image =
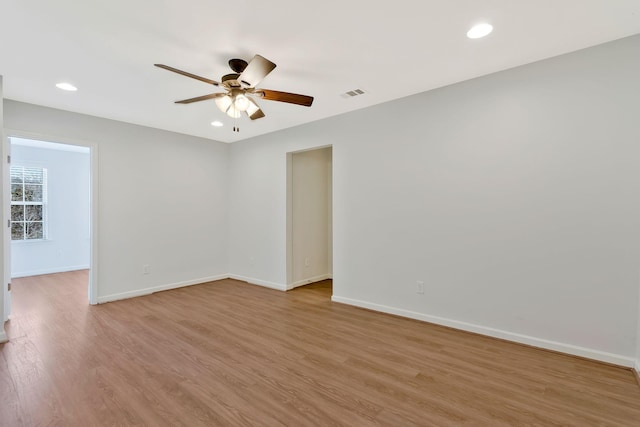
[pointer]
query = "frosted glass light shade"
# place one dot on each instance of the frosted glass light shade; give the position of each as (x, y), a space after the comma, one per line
(223, 103)
(241, 103)
(233, 112)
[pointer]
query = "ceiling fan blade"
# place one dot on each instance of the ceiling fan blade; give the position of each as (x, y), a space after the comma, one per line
(200, 98)
(257, 115)
(257, 69)
(291, 98)
(184, 73)
(254, 112)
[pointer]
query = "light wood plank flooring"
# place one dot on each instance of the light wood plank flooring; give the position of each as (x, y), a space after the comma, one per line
(231, 354)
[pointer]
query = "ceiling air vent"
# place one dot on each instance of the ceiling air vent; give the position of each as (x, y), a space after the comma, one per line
(352, 93)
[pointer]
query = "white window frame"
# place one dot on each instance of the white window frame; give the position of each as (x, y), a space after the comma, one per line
(43, 203)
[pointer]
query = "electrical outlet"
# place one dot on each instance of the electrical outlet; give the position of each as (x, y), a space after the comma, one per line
(145, 269)
(306, 262)
(419, 287)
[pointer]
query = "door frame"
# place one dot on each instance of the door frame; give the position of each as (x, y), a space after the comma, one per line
(92, 292)
(289, 213)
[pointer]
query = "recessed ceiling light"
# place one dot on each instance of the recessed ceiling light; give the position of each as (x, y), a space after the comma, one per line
(67, 86)
(217, 124)
(479, 31)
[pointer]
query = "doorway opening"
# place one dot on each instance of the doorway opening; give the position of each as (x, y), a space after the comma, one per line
(310, 220)
(50, 204)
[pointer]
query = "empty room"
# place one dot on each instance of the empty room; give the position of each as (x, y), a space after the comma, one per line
(421, 213)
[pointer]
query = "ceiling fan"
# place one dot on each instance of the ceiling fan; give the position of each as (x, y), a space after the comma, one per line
(240, 88)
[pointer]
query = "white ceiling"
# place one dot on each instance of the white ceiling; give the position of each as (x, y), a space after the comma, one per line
(324, 48)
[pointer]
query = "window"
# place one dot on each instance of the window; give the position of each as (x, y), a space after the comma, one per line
(28, 203)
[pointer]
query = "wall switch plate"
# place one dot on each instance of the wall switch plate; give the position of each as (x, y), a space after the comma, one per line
(419, 287)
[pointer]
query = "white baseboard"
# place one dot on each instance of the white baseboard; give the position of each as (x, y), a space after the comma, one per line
(637, 367)
(496, 333)
(148, 291)
(48, 271)
(309, 281)
(3, 336)
(258, 282)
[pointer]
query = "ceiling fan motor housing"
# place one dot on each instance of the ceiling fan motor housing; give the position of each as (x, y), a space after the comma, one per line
(238, 65)
(231, 80)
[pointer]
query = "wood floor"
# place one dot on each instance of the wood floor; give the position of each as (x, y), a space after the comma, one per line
(232, 354)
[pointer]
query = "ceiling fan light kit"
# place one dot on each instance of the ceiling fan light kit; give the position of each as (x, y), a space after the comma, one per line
(240, 87)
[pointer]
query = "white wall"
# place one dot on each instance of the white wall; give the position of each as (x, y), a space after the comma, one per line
(67, 246)
(310, 193)
(162, 199)
(514, 197)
